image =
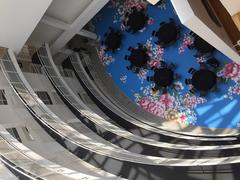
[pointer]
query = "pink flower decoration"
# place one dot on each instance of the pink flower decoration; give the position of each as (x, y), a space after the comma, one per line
(144, 103)
(187, 41)
(154, 63)
(191, 101)
(232, 71)
(167, 100)
(151, 106)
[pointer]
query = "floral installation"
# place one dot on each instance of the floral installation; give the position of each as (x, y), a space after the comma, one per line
(169, 106)
(123, 79)
(142, 75)
(232, 71)
(186, 42)
(155, 52)
(191, 101)
(176, 105)
(105, 58)
(178, 86)
(124, 7)
(233, 90)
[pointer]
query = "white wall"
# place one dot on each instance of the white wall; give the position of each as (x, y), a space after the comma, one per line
(40, 82)
(232, 6)
(18, 19)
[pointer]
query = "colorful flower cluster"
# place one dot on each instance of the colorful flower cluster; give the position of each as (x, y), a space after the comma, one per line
(142, 75)
(125, 6)
(187, 41)
(155, 52)
(104, 57)
(232, 71)
(233, 90)
(166, 106)
(178, 86)
(191, 101)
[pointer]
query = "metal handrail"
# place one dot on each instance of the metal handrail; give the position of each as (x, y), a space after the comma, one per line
(79, 106)
(40, 119)
(67, 133)
(98, 78)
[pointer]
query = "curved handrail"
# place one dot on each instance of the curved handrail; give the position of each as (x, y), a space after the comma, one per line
(67, 133)
(96, 70)
(59, 83)
(28, 161)
(46, 118)
(80, 72)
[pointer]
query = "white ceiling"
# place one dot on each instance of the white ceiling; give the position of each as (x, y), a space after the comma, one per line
(63, 20)
(44, 33)
(67, 10)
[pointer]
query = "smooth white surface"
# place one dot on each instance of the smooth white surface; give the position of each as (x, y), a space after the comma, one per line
(153, 2)
(91, 10)
(67, 10)
(18, 20)
(232, 6)
(193, 15)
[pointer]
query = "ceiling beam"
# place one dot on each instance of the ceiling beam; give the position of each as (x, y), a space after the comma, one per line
(64, 26)
(77, 25)
(55, 23)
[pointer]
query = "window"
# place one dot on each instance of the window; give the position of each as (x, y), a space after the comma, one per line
(3, 100)
(44, 97)
(14, 133)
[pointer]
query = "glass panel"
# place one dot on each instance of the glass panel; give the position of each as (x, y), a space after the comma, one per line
(46, 61)
(57, 81)
(3, 100)
(44, 97)
(20, 87)
(14, 133)
(13, 77)
(8, 66)
(51, 72)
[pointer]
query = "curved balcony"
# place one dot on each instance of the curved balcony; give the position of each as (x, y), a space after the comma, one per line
(121, 113)
(100, 125)
(25, 163)
(80, 144)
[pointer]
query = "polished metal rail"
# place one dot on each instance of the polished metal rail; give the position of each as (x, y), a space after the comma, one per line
(29, 164)
(131, 110)
(102, 97)
(62, 87)
(37, 108)
(58, 127)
